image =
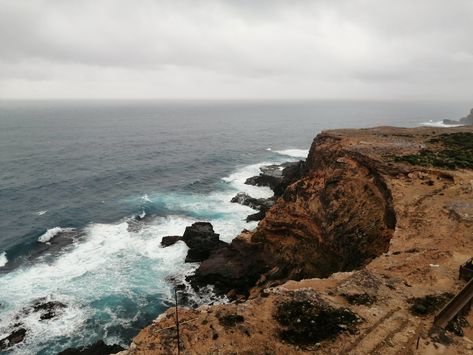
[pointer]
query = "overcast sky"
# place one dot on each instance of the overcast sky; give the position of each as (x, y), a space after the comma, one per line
(342, 49)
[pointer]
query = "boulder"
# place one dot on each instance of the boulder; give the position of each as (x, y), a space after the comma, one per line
(201, 240)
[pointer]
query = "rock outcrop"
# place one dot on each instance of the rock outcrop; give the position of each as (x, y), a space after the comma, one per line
(345, 253)
(467, 120)
(261, 204)
(201, 240)
(278, 176)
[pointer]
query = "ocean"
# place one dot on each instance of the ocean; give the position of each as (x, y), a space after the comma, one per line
(86, 169)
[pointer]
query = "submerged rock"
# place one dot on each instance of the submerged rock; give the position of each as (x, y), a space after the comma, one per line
(15, 337)
(48, 309)
(98, 348)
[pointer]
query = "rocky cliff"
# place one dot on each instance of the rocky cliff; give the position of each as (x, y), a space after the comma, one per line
(355, 256)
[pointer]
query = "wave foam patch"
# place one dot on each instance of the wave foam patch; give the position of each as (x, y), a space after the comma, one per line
(3, 259)
(106, 280)
(441, 124)
(63, 325)
(237, 181)
(295, 153)
(51, 233)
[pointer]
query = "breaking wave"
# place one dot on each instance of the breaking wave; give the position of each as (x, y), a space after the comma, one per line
(439, 124)
(3, 259)
(51, 233)
(295, 153)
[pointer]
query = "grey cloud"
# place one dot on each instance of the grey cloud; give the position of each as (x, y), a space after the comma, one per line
(237, 48)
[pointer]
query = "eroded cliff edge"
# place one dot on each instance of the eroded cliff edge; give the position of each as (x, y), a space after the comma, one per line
(380, 219)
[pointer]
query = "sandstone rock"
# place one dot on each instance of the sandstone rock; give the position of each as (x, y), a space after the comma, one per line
(291, 173)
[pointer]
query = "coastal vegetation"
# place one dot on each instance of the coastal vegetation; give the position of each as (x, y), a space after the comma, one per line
(448, 151)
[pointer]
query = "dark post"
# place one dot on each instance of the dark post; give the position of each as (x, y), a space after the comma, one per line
(177, 324)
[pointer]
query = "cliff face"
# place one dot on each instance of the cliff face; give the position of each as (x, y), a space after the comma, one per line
(338, 217)
(384, 224)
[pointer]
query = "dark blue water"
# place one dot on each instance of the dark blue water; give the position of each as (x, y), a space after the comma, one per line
(90, 165)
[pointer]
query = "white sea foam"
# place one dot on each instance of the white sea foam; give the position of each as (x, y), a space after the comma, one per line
(40, 213)
(145, 198)
(51, 233)
(110, 262)
(237, 181)
(3, 259)
(295, 153)
(439, 124)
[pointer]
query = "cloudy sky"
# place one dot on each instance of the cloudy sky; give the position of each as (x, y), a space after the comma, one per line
(343, 49)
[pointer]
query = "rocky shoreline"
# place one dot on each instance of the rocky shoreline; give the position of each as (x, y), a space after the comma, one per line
(353, 239)
(355, 253)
